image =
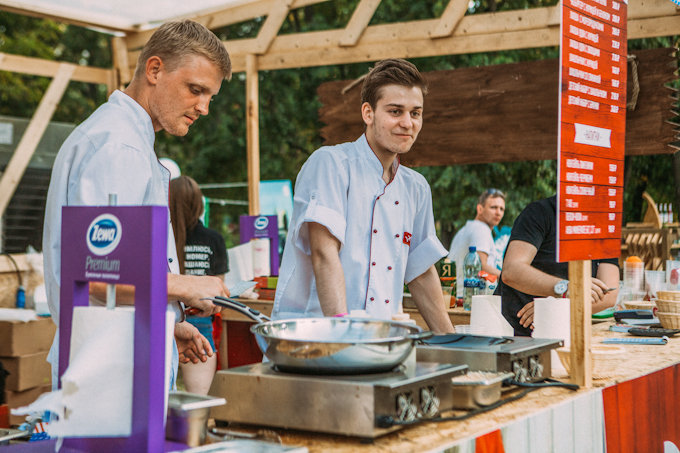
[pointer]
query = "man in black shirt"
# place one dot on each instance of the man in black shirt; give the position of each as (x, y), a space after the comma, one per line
(530, 269)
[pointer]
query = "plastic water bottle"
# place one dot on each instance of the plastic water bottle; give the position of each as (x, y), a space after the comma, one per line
(472, 264)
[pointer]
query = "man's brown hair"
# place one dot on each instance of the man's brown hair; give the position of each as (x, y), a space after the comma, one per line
(490, 193)
(390, 72)
(174, 41)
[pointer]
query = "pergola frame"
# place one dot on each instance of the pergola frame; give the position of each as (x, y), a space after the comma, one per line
(452, 33)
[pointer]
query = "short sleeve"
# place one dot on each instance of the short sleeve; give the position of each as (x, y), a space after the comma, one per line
(425, 249)
(114, 168)
(532, 225)
(321, 197)
(481, 238)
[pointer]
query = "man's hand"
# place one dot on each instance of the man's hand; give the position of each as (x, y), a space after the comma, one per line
(190, 289)
(526, 314)
(598, 290)
(192, 346)
(328, 272)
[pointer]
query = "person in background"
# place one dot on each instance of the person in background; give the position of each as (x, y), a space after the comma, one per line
(201, 251)
(477, 233)
(179, 70)
(530, 269)
(362, 224)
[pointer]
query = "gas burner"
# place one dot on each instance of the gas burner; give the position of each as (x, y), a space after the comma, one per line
(528, 359)
(350, 405)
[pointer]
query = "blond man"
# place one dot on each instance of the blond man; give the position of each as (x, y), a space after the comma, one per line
(179, 70)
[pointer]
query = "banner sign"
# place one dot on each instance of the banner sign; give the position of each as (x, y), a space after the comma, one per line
(592, 128)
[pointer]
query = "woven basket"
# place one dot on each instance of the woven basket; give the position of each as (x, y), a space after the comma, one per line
(668, 295)
(668, 306)
(605, 360)
(639, 305)
(669, 320)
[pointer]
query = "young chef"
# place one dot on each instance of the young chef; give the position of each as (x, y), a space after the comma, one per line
(179, 70)
(362, 225)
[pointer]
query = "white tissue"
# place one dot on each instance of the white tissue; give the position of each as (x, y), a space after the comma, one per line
(552, 319)
(261, 264)
(486, 314)
(96, 395)
(240, 264)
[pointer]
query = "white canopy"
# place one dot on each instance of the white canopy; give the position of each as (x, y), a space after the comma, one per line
(118, 15)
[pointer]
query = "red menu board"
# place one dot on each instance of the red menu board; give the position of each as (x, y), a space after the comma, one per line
(592, 129)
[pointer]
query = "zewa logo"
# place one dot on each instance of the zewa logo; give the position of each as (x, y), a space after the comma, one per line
(261, 223)
(104, 234)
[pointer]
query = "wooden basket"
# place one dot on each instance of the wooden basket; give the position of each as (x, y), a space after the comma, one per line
(605, 360)
(639, 305)
(669, 320)
(668, 306)
(668, 295)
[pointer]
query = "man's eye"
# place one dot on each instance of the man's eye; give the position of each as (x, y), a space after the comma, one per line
(415, 114)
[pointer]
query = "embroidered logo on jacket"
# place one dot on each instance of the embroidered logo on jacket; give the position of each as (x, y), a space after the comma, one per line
(407, 238)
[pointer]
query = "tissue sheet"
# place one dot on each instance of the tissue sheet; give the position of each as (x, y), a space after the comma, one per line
(486, 314)
(96, 395)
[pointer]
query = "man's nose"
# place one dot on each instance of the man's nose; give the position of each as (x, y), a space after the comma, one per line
(406, 121)
(203, 106)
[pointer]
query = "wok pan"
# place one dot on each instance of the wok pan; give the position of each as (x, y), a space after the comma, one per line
(330, 345)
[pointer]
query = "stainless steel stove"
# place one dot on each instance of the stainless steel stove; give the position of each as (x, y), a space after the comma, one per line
(527, 358)
(347, 405)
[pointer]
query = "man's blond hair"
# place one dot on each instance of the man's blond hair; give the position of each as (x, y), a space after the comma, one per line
(174, 41)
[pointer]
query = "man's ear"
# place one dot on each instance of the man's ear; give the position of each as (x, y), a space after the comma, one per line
(367, 113)
(154, 65)
(480, 208)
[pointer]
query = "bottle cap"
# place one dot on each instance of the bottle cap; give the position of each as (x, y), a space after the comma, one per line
(633, 259)
(473, 249)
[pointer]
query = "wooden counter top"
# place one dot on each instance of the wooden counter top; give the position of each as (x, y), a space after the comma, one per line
(436, 437)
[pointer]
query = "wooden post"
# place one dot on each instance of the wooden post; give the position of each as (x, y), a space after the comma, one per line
(253, 135)
(29, 141)
(579, 294)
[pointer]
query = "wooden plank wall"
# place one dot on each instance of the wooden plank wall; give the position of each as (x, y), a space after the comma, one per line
(506, 113)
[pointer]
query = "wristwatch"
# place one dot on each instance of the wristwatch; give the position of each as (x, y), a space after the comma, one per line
(561, 287)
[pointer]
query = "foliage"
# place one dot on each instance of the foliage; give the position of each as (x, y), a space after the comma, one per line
(215, 148)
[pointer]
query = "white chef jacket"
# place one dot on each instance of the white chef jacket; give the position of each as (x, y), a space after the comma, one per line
(110, 152)
(386, 231)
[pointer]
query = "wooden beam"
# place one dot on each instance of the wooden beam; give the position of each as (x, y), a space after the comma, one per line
(579, 295)
(253, 134)
(357, 24)
(272, 25)
(47, 68)
(121, 60)
(450, 19)
(218, 19)
(29, 141)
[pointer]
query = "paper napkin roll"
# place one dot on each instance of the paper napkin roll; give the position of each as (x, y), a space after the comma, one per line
(96, 395)
(552, 319)
(486, 314)
(261, 264)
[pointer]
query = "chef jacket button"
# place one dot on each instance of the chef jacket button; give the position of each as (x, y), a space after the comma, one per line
(389, 268)
(375, 231)
(372, 298)
(169, 260)
(396, 202)
(373, 263)
(387, 301)
(396, 236)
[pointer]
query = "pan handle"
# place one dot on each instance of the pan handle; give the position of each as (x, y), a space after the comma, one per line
(421, 335)
(239, 307)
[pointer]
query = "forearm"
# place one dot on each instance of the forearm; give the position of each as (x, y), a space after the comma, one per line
(527, 279)
(330, 283)
(427, 295)
(491, 270)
